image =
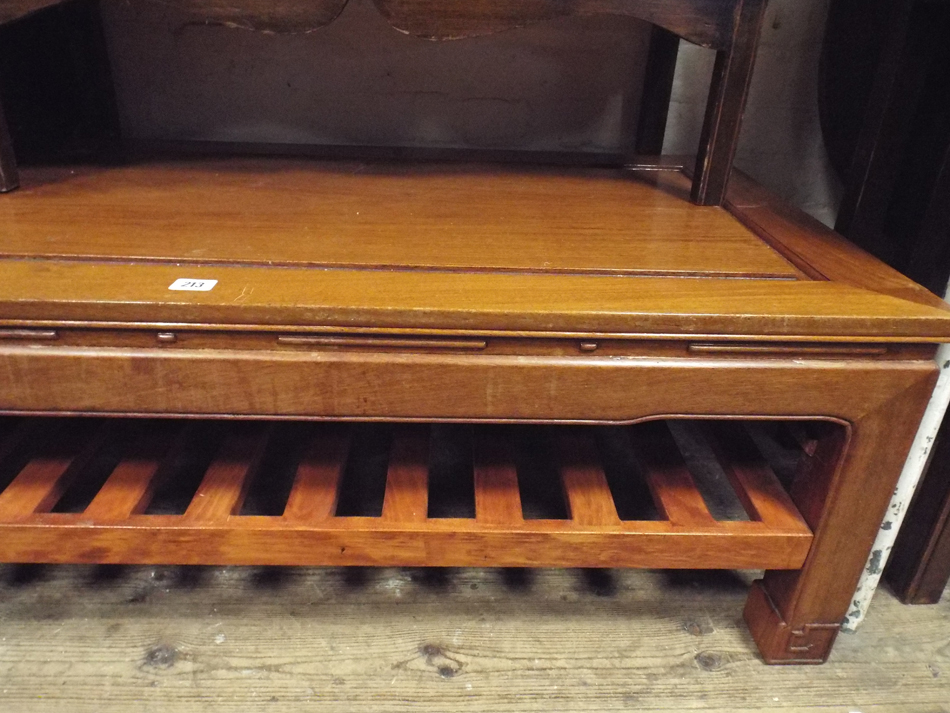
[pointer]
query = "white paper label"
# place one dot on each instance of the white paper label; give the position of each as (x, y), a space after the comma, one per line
(189, 285)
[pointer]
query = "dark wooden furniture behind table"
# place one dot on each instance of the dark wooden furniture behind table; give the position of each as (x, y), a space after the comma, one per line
(886, 112)
(457, 293)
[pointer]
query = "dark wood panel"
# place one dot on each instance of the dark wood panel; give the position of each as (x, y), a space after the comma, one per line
(271, 16)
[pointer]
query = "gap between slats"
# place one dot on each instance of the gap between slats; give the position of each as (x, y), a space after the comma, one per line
(26, 431)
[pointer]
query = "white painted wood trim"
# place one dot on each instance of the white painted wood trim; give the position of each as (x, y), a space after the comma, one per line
(906, 485)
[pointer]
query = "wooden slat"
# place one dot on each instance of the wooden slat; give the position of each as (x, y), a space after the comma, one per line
(585, 485)
(407, 492)
(130, 486)
(222, 490)
(316, 487)
(497, 497)
(41, 483)
(668, 476)
(757, 487)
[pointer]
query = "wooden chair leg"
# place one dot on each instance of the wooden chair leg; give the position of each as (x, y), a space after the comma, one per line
(794, 616)
(732, 75)
(657, 88)
(9, 176)
(919, 567)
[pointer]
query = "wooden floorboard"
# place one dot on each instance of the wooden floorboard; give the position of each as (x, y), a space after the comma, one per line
(83, 638)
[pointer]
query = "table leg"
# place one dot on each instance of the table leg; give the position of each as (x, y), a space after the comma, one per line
(794, 616)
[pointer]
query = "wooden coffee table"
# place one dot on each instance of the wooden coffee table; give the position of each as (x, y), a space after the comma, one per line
(339, 292)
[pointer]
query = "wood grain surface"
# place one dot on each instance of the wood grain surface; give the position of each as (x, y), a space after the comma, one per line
(441, 387)
(119, 639)
(443, 217)
(819, 251)
(476, 249)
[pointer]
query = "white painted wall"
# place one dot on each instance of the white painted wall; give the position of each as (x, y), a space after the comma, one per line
(567, 85)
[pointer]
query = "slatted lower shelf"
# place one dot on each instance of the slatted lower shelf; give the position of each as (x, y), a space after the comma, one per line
(659, 495)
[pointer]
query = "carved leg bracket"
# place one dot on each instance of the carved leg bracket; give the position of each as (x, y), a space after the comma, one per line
(783, 643)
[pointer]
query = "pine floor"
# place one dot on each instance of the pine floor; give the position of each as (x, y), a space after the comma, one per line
(103, 639)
